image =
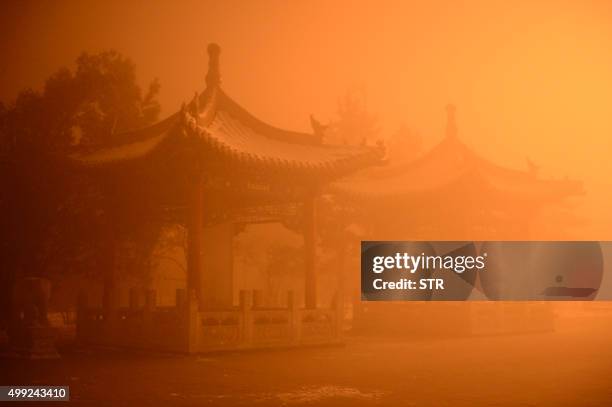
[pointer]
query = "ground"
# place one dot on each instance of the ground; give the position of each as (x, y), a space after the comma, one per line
(569, 367)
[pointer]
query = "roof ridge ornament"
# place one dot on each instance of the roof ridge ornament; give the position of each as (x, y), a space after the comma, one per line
(318, 129)
(451, 124)
(194, 105)
(213, 76)
(532, 167)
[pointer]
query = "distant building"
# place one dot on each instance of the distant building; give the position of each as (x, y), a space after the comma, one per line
(452, 193)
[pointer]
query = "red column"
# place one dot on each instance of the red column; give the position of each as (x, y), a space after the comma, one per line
(310, 287)
(110, 298)
(194, 238)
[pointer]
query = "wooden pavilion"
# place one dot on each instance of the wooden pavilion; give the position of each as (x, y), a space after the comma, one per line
(213, 166)
(452, 193)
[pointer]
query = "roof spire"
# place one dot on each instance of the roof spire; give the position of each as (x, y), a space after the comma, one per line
(213, 77)
(451, 125)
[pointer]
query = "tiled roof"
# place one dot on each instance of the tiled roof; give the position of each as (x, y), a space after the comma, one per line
(135, 144)
(449, 162)
(227, 129)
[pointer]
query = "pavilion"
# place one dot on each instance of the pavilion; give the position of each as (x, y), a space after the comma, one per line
(451, 193)
(212, 166)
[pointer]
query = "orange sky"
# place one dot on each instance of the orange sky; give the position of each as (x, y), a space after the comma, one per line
(529, 78)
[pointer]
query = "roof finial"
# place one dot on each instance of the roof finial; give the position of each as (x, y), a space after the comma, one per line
(451, 125)
(213, 77)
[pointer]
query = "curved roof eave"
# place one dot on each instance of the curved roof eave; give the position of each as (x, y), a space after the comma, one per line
(230, 130)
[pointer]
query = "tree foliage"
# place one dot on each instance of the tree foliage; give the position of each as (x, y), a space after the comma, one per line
(355, 125)
(86, 106)
(53, 218)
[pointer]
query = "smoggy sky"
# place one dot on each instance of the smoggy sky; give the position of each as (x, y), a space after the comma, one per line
(529, 78)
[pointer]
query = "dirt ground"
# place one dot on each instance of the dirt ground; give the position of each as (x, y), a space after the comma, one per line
(570, 367)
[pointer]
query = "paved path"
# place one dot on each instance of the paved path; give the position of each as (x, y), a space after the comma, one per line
(572, 367)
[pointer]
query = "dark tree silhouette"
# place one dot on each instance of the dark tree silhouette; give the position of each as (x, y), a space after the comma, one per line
(52, 220)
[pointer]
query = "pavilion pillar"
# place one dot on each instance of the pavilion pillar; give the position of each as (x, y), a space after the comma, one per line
(194, 238)
(216, 281)
(310, 277)
(110, 294)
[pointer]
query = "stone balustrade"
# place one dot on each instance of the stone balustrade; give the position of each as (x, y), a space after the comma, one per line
(185, 328)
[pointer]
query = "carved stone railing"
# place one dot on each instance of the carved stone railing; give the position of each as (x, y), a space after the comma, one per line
(273, 326)
(252, 326)
(220, 330)
(184, 328)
